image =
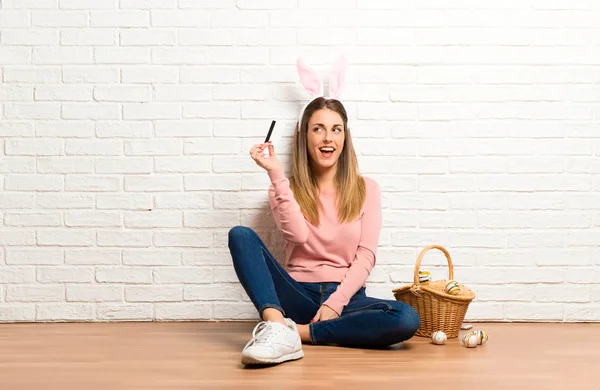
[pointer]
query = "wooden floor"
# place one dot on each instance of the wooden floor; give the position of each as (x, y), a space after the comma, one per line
(182, 356)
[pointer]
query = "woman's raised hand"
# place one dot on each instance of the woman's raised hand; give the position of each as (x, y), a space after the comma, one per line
(269, 162)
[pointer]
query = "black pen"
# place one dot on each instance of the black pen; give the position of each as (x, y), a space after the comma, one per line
(270, 131)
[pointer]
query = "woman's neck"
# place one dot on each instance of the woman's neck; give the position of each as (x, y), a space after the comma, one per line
(326, 179)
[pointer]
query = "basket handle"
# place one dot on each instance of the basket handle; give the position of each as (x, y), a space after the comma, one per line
(418, 264)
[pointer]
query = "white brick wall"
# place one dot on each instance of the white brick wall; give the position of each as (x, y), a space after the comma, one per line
(125, 126)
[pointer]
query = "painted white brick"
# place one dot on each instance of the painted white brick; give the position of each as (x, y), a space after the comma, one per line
(125, 312)
(229, 146)
(120, 18)
(17, 313)
(63, 55)
(122, 55)
(64, 312)
(131, 275)
(123, 129)
(95, 183)
(10, 275)
(65, 274)
(148, 4)
(225, 275)
(208, 4)
(65, 237)
(17, 165)
(16, 93)
(207, 74)
(92, 257)
(153, 294)
(214, 292)
(183, 311)
(34, 183)
(153, 147)
(485, 311)
(160, 183)
(15, 56)
(211, 219)
(208, 37)
(35, 293)
(182, 201)
(16, 129)
(151, 111)
(90, 74)
(27, 256)
(229, 110)
(153, 219)
(93, 219)
(178, 93)
(212, 182)
(16, 201)
(562, 293)
(87, 4)
(32, 219)
(145, 37)
(65, 165)
(183, 239)
(151, 257)
(205, 257)
(94, 293)
(14, 18)
(177, 56)
(128, 165)
(252, 200)
(32, 75)
(30, 4)
(32, 110)
(235, 311)
(122, 93)
(124, 201)
(64, 201)
(179, 275)
(182, 164)
(34, 147)
(63, 93)
(526, 311)
(70, 129)
(92, 111)
(94, 147)
(180, 18)
(150, 74)
(124, 238)
(59, 19)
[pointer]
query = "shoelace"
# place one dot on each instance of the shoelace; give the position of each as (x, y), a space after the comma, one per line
(261, 334)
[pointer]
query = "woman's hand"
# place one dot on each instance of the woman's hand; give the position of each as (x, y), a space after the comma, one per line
(258, 155)
(325, 313)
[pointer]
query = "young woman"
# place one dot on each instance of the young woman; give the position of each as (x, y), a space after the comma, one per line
(330, 217)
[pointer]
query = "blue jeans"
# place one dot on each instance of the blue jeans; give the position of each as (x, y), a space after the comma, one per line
(364, 322)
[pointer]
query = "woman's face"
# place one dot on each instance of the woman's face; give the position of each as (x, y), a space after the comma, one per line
(325, 139)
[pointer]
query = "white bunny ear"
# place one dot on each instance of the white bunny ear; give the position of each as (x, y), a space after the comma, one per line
(309, 78)
(338, 77)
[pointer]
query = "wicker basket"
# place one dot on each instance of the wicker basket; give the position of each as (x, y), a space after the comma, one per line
(438, 309)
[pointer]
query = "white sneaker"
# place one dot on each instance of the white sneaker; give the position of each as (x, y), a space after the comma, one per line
(273, 342)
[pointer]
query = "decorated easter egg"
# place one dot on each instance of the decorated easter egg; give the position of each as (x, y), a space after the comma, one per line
(470, 340)
(424, 276)
(452, 287)
(481, 336)
(439, 337)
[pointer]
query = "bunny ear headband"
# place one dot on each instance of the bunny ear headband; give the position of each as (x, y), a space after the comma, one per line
(314, 85)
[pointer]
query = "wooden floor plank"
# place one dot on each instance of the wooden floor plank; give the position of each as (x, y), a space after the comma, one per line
(182, 356)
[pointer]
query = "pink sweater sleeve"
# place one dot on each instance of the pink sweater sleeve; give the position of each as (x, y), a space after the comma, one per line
(364, 261)
(286, 211)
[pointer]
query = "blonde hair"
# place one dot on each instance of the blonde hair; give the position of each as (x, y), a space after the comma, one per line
(350, 187)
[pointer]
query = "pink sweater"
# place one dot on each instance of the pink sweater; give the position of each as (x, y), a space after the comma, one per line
(331, 252)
